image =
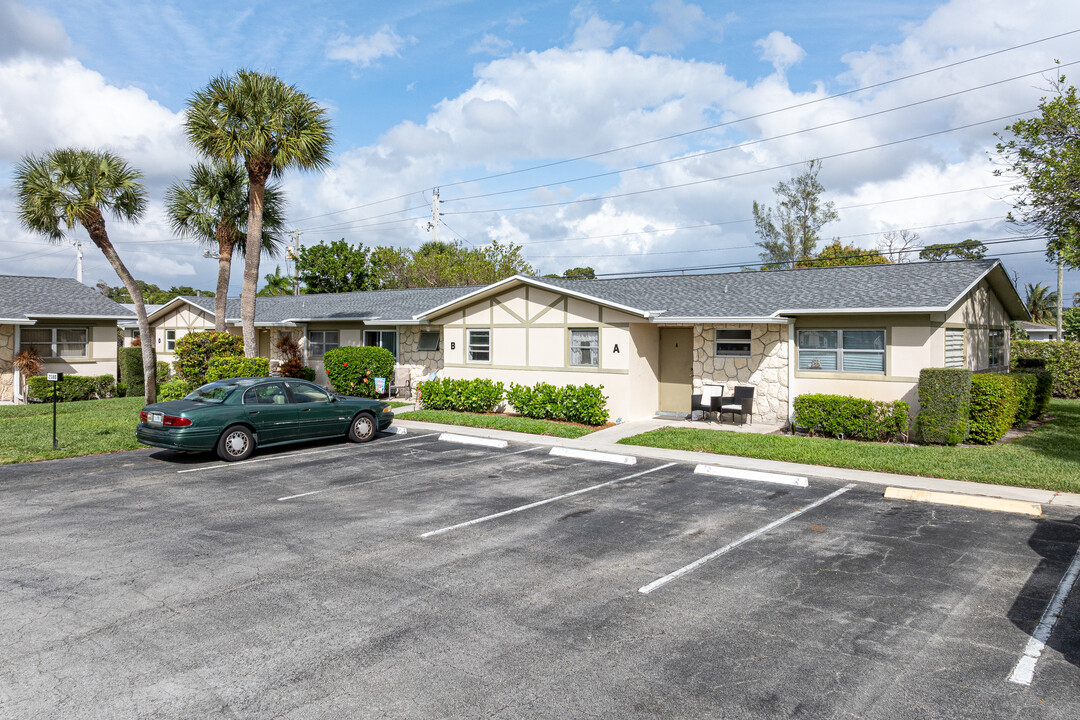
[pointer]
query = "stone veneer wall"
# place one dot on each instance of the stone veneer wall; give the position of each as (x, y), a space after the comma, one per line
(766, 368)
(421, 363)
(7, 363)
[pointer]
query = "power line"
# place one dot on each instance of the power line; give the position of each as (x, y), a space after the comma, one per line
(715, 126)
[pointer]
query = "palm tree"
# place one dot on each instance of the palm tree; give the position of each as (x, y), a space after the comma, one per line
(270, 126)
(277, 284)
(70, 186)
(211, 207)
(1041, 303)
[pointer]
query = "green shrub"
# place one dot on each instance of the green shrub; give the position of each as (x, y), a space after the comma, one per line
(295, 368)
(584, 404)
(994, 403)
(945, 406)
(478, 396)
(121, 389)
(1060, 358)
(220, 368)
(842, 416)
(131, 369)
(174, 390)
(1025, 397)
(352, 370)
(72, 388)
(195, 350)
(1044, 391)
(164, 371)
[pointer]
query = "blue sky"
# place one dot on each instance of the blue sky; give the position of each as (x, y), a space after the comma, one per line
(425, 94)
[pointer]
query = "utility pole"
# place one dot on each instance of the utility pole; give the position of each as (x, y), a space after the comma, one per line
(433, 226)
(1060, 299)
(296, 263)
(78, 260)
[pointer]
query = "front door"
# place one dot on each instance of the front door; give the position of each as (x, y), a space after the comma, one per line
(676, 369)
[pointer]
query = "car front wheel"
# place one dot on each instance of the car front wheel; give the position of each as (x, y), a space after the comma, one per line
(236, 443)
(362, 428)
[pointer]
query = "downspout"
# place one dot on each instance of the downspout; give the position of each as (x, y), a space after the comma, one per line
(791, 374)
(16, 376)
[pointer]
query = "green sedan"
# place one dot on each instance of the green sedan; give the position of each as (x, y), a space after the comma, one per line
(234, 416)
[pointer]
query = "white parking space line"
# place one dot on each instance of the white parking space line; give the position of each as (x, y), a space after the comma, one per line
(754, 475)
(410, 472)
(219, 466)
(472, 440)
(744, 539)
(538, 503)
(593, 455)
(1024, 672)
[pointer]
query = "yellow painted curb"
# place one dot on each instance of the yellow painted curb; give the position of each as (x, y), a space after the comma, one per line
(978, 502)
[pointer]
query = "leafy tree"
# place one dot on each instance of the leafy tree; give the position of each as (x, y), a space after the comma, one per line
(1070, 322)
(790, 231)
(151, 293)
(271, 126)
(1041, 302)
(580, 273)
(211, 207)
(277, 284)
(445, 265)
(837, 254)
(965, 250)
(1043, 154)
(333, 268)
(72, 186)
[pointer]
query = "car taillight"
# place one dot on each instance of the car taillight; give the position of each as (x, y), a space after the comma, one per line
(174, 421)
(142, 416)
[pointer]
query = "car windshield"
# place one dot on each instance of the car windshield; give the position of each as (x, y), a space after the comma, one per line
(215, 392)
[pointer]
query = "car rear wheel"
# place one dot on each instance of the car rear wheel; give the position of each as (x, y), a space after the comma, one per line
(362, 428)
(236, 443)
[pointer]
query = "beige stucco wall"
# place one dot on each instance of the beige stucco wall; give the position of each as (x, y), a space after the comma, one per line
(7, 366)
(765, 369)
(100, 350)
(980, 313)
(183, 318)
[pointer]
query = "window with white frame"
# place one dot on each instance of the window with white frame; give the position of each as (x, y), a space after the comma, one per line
(479, 346)
(319, 341)
(954, 347)
(732, 343)
(386, 339)
(585, 347)
(55, 342)
(996, 348)
(429, 340)
(170, 340)
(860, 351)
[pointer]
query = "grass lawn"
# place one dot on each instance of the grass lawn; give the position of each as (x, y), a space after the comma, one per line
(398, 403)
(500, 422)
(82, 428)
(1048, 458)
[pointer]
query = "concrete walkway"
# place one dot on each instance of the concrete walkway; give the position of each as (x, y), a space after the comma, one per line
(606, 441)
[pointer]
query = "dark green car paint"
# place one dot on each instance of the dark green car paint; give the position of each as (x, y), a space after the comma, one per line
(304, 412)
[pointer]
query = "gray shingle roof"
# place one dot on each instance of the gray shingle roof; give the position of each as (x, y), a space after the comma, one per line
(23, 297)
(375, 306)
(763, 294)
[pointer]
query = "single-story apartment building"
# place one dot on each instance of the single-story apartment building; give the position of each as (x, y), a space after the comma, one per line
(1040, 332)
(654, 342)
(72, 327)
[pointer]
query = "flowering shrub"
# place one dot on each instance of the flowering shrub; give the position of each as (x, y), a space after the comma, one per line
(352, 370)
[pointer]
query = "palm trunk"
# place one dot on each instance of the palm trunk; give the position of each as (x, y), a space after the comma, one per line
(226, 243)
(252, 254)
(95, 226)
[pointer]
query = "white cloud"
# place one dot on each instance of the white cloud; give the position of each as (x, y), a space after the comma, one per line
(591, 31)
(32, 32)
(679, 24)
(363, 50)
(780, 50)
(163, 266)
(490, 44)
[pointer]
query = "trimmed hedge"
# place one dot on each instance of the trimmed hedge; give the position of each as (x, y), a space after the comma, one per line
(584, 404)
(72, 388)
(195, 350)
(164, 371)
(843, 416)
(129, 360)
(1025, 397)
(220, 368)
(945, 406)
(174, 390)
(1044, 391)
(478, 396)
(1061, 358)
(352, 370)
(994, 405)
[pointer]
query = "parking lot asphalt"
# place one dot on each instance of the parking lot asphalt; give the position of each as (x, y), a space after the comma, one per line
(337, 580)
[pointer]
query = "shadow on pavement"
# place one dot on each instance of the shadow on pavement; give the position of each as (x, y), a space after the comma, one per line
(1057, 543)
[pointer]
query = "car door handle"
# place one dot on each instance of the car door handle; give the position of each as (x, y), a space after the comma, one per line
(253, 412)
(305, 409)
